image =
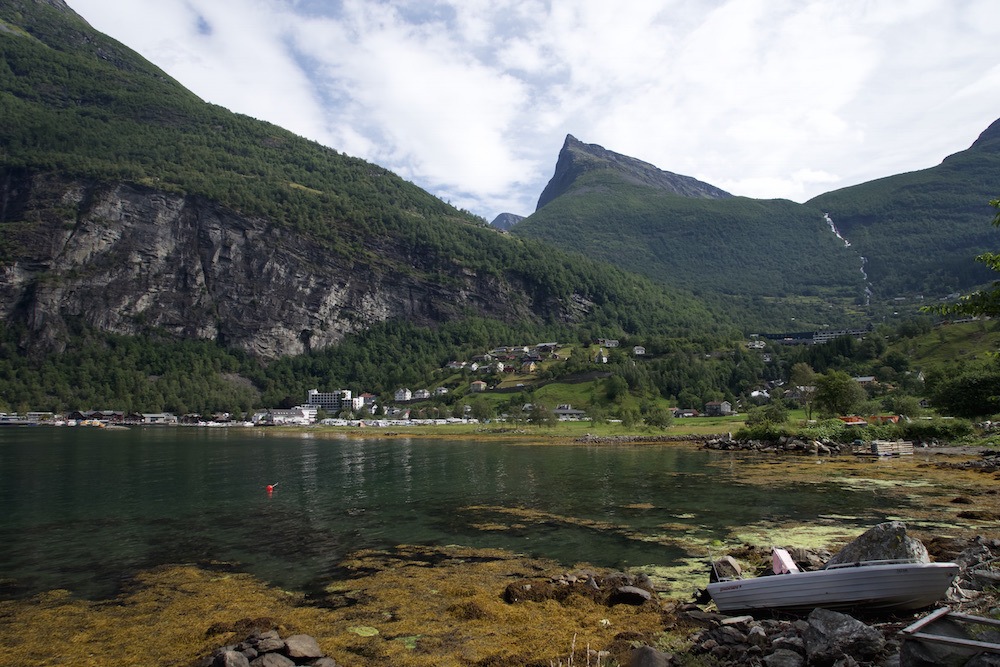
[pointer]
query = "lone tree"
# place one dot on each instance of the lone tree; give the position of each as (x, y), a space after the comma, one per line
(803, 377)
(837, 393)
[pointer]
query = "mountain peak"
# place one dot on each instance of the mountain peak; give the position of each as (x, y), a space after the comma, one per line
(990, 135)
(577, 158)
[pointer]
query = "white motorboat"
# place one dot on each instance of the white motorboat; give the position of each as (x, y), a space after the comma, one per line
(870, 585)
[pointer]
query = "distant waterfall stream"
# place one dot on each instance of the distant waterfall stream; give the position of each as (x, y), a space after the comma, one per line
(864, 260)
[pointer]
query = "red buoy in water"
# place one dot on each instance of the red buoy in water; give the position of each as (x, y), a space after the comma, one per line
(270, 488)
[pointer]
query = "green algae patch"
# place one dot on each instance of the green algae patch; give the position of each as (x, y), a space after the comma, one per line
(815, 536)
(673, 535)
(363, 630)
(679, 582)
(921, 489)
(409, 642)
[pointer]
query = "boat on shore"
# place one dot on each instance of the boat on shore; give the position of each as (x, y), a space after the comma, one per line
(896, 585)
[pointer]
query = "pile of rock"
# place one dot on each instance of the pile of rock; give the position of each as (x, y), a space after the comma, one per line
(609, 589)
(823, 638)
(783, 445)
(268, 649)
(641, 439)
(988, 461)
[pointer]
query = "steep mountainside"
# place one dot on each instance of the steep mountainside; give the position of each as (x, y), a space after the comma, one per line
(919, 231)
(769, 260)
(128, 204)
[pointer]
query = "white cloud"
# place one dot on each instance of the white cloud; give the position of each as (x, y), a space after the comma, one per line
(471, 99)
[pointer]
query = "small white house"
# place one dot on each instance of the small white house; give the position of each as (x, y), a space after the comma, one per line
(403, 395)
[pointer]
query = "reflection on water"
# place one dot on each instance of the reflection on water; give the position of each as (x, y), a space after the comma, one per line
(84, 508)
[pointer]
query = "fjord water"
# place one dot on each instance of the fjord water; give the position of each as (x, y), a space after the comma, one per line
(85, 509)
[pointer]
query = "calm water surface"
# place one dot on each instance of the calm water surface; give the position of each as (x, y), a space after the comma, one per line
(84, 509)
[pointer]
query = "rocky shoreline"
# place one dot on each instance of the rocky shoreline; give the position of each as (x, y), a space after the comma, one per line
(819, 637)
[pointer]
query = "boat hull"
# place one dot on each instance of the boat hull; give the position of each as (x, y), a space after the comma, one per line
(887, 587)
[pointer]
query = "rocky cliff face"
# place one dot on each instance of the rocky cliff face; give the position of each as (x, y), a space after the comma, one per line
(506, 221)
(577, 158)
(127, 259)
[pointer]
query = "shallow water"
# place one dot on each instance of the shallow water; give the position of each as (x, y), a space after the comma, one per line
(84, 509)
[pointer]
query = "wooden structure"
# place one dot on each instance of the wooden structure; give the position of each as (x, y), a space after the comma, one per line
(945, 637)
(884, 448)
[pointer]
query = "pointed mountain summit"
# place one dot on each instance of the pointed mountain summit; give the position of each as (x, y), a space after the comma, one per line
(577, 158)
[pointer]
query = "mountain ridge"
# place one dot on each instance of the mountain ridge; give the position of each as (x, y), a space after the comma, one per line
(907, 234)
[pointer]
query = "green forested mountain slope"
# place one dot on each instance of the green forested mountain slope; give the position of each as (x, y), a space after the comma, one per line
(760, 254)
(129, 205)
(921, 230)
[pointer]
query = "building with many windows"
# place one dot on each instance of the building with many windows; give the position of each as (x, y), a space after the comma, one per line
(333, 402)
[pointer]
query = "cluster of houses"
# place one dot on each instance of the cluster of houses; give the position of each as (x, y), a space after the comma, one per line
(342, 402)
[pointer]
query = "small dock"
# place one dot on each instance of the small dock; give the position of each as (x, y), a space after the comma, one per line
(884, 448)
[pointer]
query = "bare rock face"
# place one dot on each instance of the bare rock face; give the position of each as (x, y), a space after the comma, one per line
(128, 259)
(886, 541)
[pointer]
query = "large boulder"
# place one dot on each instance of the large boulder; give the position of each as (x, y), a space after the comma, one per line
(230, 659)
(647, 656)
(832, 636)
(886, 541)
(302, 646)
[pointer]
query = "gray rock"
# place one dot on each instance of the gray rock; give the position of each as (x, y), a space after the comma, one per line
(790, 644)
(738, 620)
(272, 660)
(832, 636)
(302, 646)
(325, 661)
(630, 595)
(757, 636)
(784, 658)
(886, 541)
(727, 634)
(230, 659)
(267, 644)
(647, 656)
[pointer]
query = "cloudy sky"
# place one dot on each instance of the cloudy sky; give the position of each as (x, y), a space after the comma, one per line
(472, 99)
